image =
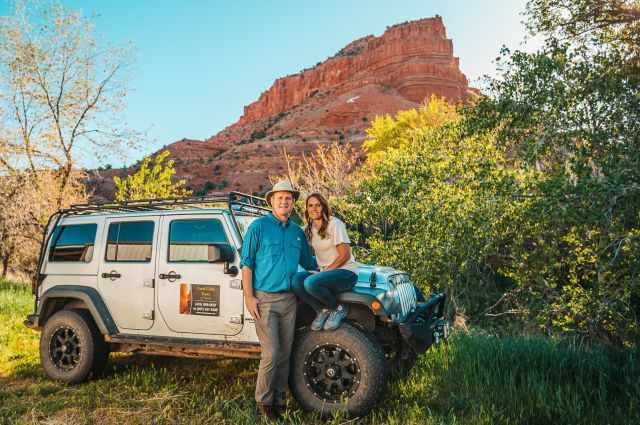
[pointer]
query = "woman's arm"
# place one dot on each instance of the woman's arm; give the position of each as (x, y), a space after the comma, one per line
(344, 253)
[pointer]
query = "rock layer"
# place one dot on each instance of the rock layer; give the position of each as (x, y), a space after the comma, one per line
(415, 58)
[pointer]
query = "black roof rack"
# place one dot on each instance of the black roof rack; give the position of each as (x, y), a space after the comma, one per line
(235, 201)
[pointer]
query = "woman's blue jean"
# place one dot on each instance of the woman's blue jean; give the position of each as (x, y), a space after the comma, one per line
(319, 290)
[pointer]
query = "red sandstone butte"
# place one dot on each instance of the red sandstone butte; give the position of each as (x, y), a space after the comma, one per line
(415, 59)
(336, 100)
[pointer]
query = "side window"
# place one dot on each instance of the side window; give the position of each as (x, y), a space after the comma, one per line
(73, 243)
(130, 241)
(194, 240)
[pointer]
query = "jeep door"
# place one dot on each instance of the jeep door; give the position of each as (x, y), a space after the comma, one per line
(196, 293)
(127, 270)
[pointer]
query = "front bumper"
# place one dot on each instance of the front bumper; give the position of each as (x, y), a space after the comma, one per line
(426, 326)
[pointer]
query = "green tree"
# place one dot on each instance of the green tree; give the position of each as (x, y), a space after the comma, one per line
(387, 132)
(61, 94)
(571, 112)
(609, 23)
(152, 180)
(527, 206)
(440, 206)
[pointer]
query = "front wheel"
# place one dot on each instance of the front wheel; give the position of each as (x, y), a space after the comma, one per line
(337, 371)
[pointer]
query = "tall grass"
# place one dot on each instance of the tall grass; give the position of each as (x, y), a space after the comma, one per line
(535, 381)
(477, 379)
(18, 345)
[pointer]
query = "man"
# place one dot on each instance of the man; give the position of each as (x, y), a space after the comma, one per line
(272, 250)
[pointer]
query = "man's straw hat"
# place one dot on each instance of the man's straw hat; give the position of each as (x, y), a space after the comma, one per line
(282, 186)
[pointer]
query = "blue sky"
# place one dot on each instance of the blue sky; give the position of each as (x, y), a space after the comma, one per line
(197, 63)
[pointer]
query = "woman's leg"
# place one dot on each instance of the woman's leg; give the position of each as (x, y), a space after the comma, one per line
(324, 286)
(297, 285)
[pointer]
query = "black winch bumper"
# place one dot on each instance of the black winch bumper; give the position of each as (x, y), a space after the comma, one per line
(426, 325)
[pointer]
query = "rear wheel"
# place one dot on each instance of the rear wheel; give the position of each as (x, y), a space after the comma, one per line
(71, 347)
(337, 371)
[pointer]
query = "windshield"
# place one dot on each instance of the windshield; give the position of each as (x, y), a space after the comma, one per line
(246, 209)
(244, 221)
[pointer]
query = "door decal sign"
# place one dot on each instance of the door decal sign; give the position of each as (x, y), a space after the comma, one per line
(201, 300)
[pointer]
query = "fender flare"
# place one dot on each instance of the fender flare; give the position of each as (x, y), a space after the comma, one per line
(89, 296)
(365, 300)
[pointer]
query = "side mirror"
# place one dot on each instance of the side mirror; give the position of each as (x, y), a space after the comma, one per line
(221, 253)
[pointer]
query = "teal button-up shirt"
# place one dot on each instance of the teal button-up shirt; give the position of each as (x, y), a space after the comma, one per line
(273, 250)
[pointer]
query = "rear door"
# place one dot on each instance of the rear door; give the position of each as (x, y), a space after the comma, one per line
(195, 295)
(126, 276)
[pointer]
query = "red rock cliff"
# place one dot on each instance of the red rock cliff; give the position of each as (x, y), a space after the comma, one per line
(334, 101)
(415, 58)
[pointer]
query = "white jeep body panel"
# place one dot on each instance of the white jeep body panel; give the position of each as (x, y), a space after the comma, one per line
(204, 303)
(204, 300)
(130, 297)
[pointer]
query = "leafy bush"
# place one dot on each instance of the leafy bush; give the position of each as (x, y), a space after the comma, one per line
(440, 206)
(571, 111)
(152, 180)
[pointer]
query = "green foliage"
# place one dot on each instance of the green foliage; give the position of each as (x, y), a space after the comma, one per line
(258, 134)
(152, 180)
(387, 132)
(571, 111)
(442, 207)
(537, 381)
(18, 344)
(524, 204)
(613, 24)
(528, 207)
(209, 186)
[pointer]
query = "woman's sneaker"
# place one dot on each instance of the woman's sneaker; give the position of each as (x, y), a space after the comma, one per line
(318, 322)
(336, 317)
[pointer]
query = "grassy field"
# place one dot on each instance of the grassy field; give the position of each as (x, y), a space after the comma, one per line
(479, 380)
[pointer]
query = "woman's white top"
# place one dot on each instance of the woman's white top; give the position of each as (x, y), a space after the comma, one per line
(325, 249)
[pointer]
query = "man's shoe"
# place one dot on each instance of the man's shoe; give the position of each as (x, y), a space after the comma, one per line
(336, 317)
(280, 402)
(318, 322)
(280, 409)
(266, 412)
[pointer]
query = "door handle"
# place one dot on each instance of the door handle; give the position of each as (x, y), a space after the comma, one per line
(171, 276)
(113, 275)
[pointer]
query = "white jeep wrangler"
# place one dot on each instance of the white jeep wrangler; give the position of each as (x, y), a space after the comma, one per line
(161, 277)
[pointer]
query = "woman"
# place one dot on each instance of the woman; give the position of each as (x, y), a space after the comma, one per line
(338, 269)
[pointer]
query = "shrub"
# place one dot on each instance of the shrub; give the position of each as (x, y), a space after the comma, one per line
(441, 207)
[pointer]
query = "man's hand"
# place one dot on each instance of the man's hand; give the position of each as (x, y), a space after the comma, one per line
(250, 299)
(252, 305)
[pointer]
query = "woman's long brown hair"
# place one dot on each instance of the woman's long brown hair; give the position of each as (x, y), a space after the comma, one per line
(326, 215)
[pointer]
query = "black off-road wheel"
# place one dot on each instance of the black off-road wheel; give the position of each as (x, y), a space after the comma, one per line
(71, 347)
(337, 371)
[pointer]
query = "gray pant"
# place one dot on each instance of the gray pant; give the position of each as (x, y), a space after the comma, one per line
(275, 329)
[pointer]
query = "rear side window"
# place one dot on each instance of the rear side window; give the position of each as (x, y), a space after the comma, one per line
(130, 241)
(73, 243)
(193, 240)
